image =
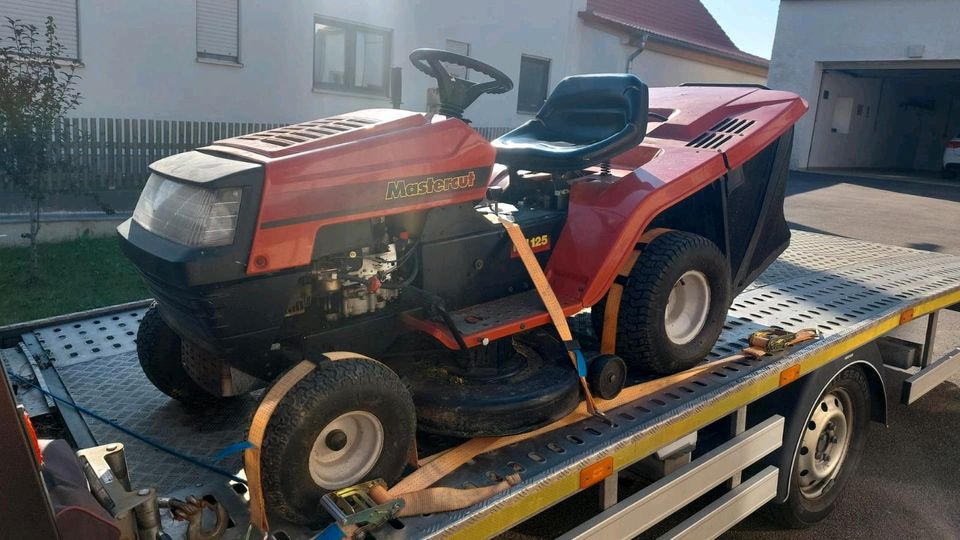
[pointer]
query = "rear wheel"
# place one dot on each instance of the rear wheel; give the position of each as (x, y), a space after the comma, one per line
(673, 306)
(346, 422)
(829, 451)
(160, 353)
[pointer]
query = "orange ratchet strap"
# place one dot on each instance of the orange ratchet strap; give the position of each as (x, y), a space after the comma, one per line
(413, 488)
(553, 307)
(611, 310)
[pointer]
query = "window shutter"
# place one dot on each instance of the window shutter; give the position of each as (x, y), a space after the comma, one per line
(458, 47)
(218, 29)
(64, 13)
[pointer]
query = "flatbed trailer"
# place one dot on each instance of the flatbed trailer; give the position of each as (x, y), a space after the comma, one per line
(734, 431)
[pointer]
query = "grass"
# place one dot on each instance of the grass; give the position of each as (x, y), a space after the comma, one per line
(80, 274)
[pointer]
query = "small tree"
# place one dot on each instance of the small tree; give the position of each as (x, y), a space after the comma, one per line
(37, 90)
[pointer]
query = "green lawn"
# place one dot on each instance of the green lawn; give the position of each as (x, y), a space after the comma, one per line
(81, 274)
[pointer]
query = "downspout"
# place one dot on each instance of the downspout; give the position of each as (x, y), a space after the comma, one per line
(643, 44)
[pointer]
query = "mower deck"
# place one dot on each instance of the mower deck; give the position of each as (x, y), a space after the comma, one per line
(850, 290)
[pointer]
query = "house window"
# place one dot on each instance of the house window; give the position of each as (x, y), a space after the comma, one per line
(35, 12)
(458, 47)
(218, 30)
(534, 79)
(351, 57)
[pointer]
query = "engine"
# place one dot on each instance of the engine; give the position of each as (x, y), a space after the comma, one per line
(356, 281)
(454, 253)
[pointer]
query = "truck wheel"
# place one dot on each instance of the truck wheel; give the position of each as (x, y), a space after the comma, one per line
(674, 304)
(158, 348)
(829, 451)
(346, 422)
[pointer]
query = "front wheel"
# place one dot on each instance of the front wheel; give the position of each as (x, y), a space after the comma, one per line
(346, 422)
(829, 451)
(674, 304)
(160, 353)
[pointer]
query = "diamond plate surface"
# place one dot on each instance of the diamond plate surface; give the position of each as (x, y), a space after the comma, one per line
(116, 388)
(837, 285)
(81, 341)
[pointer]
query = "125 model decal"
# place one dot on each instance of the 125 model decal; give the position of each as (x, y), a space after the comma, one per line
(537, 244)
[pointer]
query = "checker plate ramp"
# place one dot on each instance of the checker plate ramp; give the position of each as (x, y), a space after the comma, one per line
(81, 341)
(846, 288)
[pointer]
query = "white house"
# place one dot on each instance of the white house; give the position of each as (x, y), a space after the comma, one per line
(882, 78)
(160, 77)
(287, 61)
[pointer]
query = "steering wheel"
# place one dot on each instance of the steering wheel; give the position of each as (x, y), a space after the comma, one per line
(457, 94)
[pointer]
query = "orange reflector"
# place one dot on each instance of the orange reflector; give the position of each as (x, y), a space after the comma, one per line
(906, 316)
(789, 375)
(596, 472)
(33, 437)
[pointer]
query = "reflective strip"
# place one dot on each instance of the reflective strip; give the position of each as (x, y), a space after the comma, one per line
(548, 493)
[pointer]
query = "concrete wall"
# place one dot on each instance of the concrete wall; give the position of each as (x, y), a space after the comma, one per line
(812, 33)
(139, 57)
(601, 51)
(662, 69)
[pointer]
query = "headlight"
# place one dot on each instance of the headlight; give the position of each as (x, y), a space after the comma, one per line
(187, 214)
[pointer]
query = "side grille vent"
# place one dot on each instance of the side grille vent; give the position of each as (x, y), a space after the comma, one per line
(733, 125)
(720, 134)
(308, 131)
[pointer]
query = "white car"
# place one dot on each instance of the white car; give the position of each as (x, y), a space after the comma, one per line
(951, 158)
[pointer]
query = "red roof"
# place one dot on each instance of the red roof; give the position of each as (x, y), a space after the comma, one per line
(681, 20)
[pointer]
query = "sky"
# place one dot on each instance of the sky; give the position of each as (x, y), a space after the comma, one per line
(749, 23)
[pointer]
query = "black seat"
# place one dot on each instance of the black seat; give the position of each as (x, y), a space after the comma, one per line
(587, 120)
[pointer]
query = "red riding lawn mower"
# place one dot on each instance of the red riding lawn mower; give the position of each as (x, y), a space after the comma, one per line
(387, 233)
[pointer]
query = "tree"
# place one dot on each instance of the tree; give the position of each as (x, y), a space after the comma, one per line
(37, 90)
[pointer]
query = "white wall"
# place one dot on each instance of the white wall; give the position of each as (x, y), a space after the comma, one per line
(810, 33)
(659, 69)
(601, 51)
(139, 56)
(862, 145)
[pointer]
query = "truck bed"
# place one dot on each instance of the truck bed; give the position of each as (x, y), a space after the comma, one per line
(852, 291)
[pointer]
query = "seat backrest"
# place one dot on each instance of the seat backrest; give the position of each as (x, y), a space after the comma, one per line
(583, 109)
(588, 119)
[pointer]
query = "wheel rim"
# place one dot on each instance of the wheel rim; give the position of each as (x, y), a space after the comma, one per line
(824, 444)
(346, 450)
(687, 307)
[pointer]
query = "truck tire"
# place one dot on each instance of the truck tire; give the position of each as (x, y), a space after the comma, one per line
(829, 451)
(346, 422)
(674, 304)
(159, 351)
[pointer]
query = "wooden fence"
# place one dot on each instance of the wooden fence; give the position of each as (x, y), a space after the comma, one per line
(105, 154)
(113, 153)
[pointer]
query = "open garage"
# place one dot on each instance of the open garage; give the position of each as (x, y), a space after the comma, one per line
(882, 78)
(885, 117)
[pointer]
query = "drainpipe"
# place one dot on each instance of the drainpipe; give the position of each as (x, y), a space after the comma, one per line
(643, 43)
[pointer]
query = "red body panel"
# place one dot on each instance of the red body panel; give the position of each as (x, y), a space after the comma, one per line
(606, 218)
(356, 175)
(347, 176)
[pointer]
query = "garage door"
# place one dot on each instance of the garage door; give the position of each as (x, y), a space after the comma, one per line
(873, 116)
